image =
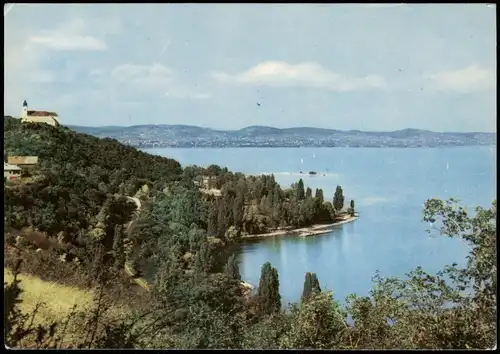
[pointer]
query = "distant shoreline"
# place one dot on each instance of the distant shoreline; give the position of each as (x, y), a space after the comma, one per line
(313, 230)
(307, 146)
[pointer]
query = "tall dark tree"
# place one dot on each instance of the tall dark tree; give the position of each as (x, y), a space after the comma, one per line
(318, 195)
(316, 289)
(204, 261)
(352, 207)
(307, 290)
(118, 248)
(212, 220)
(300, 190)
(222, 222)
(231, 268)
(338, 199)
(238, 210)
(268, 291)
(308, 192)
(311, 286)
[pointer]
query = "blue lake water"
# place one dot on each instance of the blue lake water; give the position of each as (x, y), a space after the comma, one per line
(389, 187)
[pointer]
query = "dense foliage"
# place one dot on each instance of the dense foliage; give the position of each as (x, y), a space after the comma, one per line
(77, 205)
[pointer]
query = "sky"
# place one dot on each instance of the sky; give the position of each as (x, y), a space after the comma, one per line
(377, 67)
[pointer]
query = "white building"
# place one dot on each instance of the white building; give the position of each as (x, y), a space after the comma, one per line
(39, 116)
(11, 172)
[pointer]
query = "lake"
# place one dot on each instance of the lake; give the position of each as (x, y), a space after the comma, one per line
(389, 187)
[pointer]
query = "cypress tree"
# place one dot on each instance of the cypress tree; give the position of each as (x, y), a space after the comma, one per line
(238, 209)
(319, 196)
(300, 190)
(352, 207)
(308, 192)
(231, 268)
(338, 199)
(307, 291)
(212, 220)
(268, 291)
(311, 286)
(316, 289)
(204, 260)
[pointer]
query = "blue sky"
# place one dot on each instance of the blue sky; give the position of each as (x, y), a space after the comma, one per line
(341, 66)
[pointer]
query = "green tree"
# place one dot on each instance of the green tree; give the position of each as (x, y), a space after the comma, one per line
(212, 220)
(238, 210)
(268, 290)
(318, 195)
(231, 268)
(308, 192)
(300, 190)
(352, 207)
(338, 199)
(118, 248)
(316, 289)
(307, 289)
(311, 286)
(204, 261)
(316, 324)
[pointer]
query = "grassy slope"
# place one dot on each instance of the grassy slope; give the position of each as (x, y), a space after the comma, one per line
(57, 147)
(58, 299)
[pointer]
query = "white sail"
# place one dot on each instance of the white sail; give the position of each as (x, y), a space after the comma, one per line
(301, 161)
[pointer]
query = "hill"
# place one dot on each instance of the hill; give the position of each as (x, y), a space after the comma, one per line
(190, 136)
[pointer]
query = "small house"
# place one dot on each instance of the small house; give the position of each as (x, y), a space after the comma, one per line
(11, 172)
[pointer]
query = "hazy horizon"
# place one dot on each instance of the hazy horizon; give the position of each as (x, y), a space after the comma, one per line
(369, 67)
(269, 126)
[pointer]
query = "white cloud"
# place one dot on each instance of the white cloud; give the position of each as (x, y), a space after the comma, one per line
(282, 74)
(30, 48)
(69, 36)
(155, 77)
(472, 78)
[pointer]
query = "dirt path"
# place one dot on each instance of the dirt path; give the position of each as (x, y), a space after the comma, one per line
(129, 229)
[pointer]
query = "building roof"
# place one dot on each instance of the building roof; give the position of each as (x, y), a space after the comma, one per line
(22, 160)
(9, 167)
(41, 113)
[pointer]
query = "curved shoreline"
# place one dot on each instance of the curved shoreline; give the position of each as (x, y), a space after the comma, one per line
(302, 232)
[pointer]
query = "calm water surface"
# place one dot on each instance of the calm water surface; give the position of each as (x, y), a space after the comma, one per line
(389, 187)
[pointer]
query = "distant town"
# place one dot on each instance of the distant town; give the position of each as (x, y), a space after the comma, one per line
(183, 136)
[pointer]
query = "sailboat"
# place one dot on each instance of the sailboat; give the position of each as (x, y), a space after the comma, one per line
(447, 166)
(314, 156)
(302, 161)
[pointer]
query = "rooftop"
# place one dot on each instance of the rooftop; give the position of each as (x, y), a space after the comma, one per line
(41, 113)
(9, 167)
(22, 160)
